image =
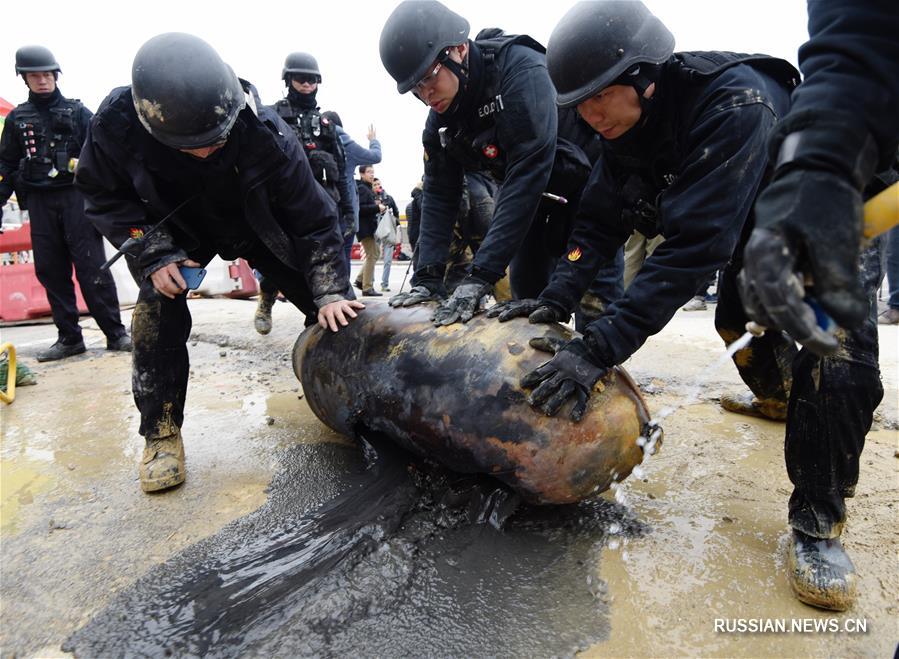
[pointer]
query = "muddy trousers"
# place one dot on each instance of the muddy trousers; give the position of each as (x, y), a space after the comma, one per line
(160, 328)
(831, 401)
(62, 236)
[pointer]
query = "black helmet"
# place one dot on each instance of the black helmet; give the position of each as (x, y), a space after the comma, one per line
(300, 63)
(185, 95)
(415, 35)
(597, 42)
(35, 58)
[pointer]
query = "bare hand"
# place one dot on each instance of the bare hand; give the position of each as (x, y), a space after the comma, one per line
(371, 132)
(338, 312)
(168, 280)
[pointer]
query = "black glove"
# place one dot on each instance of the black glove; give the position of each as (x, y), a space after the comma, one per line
(572, 372)
(773, 294)
(809, 222)
(417, 295)
(464, 303)
(537, 311)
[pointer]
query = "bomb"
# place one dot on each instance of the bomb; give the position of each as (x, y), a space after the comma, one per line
(452, 394)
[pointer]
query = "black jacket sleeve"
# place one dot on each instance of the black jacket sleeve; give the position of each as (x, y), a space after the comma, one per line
(596, 235)
(443, 179)
(113, 205)
(308, 216)
(703, 213)
(851, 64)
(392, 205)
(526, 129)
(10, 157)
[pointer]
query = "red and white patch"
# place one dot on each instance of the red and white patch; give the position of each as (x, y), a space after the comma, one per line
(490, 151)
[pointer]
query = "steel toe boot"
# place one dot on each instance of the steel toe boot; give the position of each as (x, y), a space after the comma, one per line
(820, 572)
(162, 466)
(763, 408)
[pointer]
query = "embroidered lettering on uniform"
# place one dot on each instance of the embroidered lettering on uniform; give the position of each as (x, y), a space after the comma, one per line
(575, 254)
(495, 105)
(136, 233)
(490, 151)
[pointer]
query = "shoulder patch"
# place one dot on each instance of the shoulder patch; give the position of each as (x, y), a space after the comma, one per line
(575, 254)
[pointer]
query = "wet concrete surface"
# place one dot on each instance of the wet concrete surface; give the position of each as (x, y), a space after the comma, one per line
(243, 558)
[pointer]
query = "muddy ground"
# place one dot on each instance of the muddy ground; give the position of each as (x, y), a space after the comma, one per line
(699, 538)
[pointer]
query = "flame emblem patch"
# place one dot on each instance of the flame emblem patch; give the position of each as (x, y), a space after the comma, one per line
(575, 254)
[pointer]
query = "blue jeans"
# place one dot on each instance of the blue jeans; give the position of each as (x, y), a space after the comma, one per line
(892, 240)
(387, 252)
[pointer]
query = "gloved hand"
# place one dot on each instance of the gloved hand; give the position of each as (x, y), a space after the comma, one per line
(417, 295)
(464, 303)
(774, 296)
(537, 311)
(572, 372)
(809, 224)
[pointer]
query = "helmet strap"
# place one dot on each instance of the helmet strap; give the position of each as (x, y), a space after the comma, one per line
(461, 71)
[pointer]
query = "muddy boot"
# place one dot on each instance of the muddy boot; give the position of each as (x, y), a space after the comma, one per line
(821, 573)
(262, 321)
(163, 464)
(60, 350)
(746, 403)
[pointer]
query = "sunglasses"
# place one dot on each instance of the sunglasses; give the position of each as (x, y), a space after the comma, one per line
(305, 78)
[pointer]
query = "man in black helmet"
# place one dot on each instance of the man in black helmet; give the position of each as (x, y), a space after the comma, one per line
(39, 149)
(190, 143)
(319, 139)
(492, 111)
(685, 155)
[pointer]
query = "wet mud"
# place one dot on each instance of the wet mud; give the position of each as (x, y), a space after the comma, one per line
(407, 559)
(89, 560)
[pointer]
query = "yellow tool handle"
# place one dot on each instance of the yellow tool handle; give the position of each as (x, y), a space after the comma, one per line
(10, 395)
(882, 212)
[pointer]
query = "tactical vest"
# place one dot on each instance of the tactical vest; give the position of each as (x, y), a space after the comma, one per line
(50, 150)
(471, 139)
(320, 141)
(642, 181)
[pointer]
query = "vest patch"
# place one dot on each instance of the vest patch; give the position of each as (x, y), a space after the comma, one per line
(495, 105)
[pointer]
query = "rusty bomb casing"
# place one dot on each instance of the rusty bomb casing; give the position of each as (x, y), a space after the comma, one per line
(452, 394)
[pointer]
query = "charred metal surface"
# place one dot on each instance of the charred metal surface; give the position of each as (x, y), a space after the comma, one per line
(452, 394)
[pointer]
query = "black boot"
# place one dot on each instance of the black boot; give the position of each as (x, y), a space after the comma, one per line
(60, 350)
(371, 292)
(821, 573)
(119, 344)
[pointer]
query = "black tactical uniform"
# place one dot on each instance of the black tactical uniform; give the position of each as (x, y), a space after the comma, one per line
(39, 148)
(255, 199)
(323, 148)
(507, 127)
(703, 207)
